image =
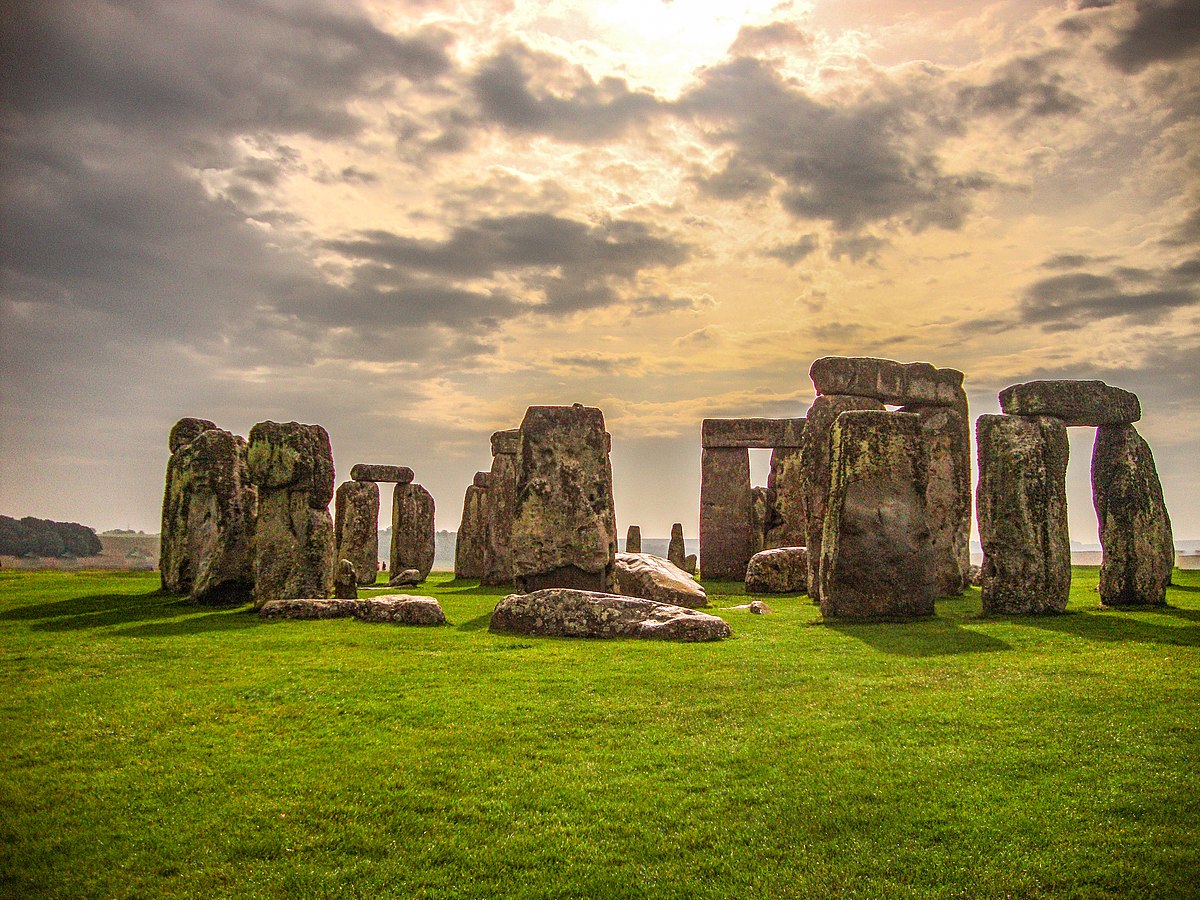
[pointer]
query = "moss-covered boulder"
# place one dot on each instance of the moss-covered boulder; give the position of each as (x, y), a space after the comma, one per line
(412, 529)
(293, 455)
(565, 612)
(187, 430)
(356, 527)
(780, 570)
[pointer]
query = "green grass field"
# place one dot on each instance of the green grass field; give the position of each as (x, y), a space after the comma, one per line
(150, 748)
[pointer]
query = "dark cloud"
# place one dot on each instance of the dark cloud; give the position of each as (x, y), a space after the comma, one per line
(858, 247)
(1071, 261)
(1160, 32)
(1072, 300)
(1024, 85)
(796, 251)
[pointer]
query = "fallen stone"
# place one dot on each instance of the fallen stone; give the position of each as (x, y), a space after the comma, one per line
(413, 529)
(1135, 530)
(887, 381)
(1090, 403)
(756, 607)
(386, 474)
(406, 578)
(399, 609)
(345, 583)
(356, 527)
(563, 612)
(654, 578)
(1021, 505)
(633, 539)
(783, 570)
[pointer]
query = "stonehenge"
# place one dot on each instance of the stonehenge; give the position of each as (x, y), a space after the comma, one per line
(470, 548)
(567, 612)
(413, 530)
(781, 570)
(633, 539)
(654, 578)
(676, 549)
(356, 527)
(501, 508)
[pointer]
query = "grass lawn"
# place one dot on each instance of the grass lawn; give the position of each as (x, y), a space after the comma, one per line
(151, 748)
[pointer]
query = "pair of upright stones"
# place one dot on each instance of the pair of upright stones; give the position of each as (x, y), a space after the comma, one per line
(357, 521)
(1022, 506)
(484, 546)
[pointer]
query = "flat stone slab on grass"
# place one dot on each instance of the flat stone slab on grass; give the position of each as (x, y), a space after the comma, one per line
(783, 570)
(654, 578)
(398, 609)
(566, 612)
(1089, 403)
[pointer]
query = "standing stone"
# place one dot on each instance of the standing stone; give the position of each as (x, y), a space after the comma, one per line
(412, 529)
(501, 508)
(675, 549)
(633, 539)
(876, 552)
(356, 527)
(690, 564)
(1135, 530)
(815, 454)
(726, 512)
(208, 513)
(1091, 403)
(1021, 504)
(292, 464)
(564, 532)
(762, 513)
(786, 483)
(470, 547)
(345, 583)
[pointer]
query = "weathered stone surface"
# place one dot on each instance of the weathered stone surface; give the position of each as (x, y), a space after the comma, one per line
(564, 531)
(470, 547)
(762, 515)
(877, 560)
(690, 564)
(345, 582)
(676, 547)
(947, 434)
(377, 473)
(501, 510)
(900, 384)
(294, 549)
(562, 612)
(1135, 530)
(187, 430)
(209, 508)
(654, 578)
(815, 455)
(1075, 402)
(1021, 505)
(975, 575)
(506, 442)
(406, 578)
(763, 434)
(413, 529)
(482, 479)
(726, 512)
(399, 609)
(356, 527)
(786, 484)
(633, 539)
(783, 570)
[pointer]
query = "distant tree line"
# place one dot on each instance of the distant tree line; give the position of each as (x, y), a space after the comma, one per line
(41, 537)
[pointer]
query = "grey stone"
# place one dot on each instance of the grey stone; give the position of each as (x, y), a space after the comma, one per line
(1135, 530)
(356, 527)
(470, 547)
(399, 609)
(482, 479)
(786, 484)
(187, 430)
(1021, 505)
(782, 570)
(501, 508)
(563, 612)
(675, 549)
(815, 458)
(345, 582)
(654, 578)
(506, 442)
(377, 473)
(726, 512)
(690, 564)
(413, 529)
(762, 517)
(633, 539)
(564, 531)
(763, 434)
(1074, 402)
(406, 578)
(888, 381)
(876, 555)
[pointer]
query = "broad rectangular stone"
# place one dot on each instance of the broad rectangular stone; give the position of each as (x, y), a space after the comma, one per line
(726, 512)
(760, 434)
(387, 474)
(356, 527)
(412, 529)
(470, 546)
(888, 381)
(786, 485)
(1091, 403)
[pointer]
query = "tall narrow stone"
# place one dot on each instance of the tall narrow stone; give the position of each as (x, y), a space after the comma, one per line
(633, 539)
(564, 533)
(356, 526)
(1021, 504)
(470, 547)
(726, 512)
(786, 483)
(676, 549)
(876, 552)
(1135, 530)
(501, 507)
(762, 516)
(292, 464)
(815, 454)
(412, 529)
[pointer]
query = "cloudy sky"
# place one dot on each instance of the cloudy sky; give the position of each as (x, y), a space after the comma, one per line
(408, 221)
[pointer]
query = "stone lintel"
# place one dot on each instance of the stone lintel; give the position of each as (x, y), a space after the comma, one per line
(756, 434)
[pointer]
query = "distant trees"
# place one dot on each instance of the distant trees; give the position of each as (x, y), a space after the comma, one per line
(41, 537)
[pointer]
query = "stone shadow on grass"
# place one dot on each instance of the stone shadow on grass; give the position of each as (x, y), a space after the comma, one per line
(234, 619)
(479, 623)
(1119, 626)
(105, 610)
(924, 637)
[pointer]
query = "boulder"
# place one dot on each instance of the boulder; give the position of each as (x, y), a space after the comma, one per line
(1135, 530)
(386, 474)
(470, 545)
(1091, 403)
(1021, 505)
(876, 555)
(783, 570)
(413, 529)
(345, 582)
(564, 531)
(654, 578)
(726, 512)
(501, 508)
(564, 612)
(633, 539)
(406, 578)
(356, 527)
(399, 609)
(887, 381)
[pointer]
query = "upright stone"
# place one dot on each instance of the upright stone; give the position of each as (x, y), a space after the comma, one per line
(633, 539)
(356, 526)
(1092, 403)
(786, 483)
(345, 582)
(762, 516)
(412, 529)
(292, 464)
(501, 507)
(470, 547)
(726, 512)
(208, 513)
(1135, 530)
(1021, 504)
(876, 553)
(815, 454)
(564, 532)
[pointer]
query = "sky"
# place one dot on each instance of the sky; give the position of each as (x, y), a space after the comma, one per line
(408, 221)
